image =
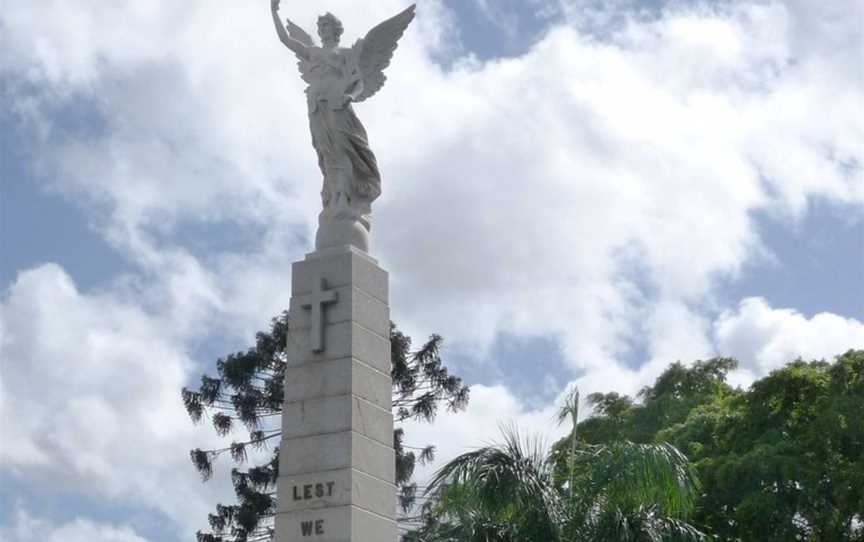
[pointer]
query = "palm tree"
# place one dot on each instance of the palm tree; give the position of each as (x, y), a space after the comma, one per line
(631, 493)
(517, 492)
(570, 411)
(500, 493)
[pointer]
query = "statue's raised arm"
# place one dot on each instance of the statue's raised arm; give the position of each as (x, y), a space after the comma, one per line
(374, 52)
(296, 39)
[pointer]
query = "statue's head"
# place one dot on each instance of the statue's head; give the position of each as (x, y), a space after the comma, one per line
(329, 29)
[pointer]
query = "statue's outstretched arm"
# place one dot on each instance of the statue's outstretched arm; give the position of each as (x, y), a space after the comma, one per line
(299, 48)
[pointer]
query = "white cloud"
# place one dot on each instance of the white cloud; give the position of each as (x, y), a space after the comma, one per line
(764, 338)
(658, 140)
(90, 399)
(27, 528)
(677, 333)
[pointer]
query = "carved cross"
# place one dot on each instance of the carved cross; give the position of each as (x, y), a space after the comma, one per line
(316, 302)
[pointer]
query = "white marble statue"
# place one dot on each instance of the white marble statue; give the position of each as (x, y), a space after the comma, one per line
(338, 76)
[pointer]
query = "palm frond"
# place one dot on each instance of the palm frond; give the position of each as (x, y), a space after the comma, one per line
(502, 487)
(569, 411)
(635, 475)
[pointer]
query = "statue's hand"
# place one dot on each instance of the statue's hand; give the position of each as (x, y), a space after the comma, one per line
(274, 5)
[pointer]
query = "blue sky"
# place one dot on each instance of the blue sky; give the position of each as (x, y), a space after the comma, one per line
(606, 187)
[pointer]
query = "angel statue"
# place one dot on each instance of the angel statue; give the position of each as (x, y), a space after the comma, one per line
(336, 77)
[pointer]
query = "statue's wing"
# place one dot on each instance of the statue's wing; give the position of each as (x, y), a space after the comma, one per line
(374, 52)
(299, 34)
(303, 37)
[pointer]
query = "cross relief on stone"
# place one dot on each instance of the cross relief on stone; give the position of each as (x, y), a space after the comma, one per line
(315, 302)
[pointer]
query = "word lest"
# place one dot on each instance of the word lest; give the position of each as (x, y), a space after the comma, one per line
(312, 491)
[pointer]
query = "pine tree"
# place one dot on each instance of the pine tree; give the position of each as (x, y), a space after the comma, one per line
(248, 392)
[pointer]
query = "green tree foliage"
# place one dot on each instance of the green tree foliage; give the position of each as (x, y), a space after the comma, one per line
(780, 461)
(511, 493)
(248, 391)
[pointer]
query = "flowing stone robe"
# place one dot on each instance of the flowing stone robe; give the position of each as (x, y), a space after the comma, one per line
(348, 164)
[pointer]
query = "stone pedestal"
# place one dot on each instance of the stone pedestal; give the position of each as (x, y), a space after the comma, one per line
(337, 464)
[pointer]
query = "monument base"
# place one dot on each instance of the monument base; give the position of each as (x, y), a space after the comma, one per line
(332, 234)
(342, 225)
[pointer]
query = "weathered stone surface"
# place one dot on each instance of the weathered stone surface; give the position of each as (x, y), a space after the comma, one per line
(330, 378)
(336, 488)
(341, 267)
(354, 305)
(368, 527)
(332, 451)
(343, 524)
(322, 415)
(342, 340)
(326, 525)
(337, 464)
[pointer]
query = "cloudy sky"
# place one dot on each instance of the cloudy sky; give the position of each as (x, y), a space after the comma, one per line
(575, 192)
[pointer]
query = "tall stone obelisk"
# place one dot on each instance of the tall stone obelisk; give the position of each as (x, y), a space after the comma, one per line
(336, 468)
(336, 463)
